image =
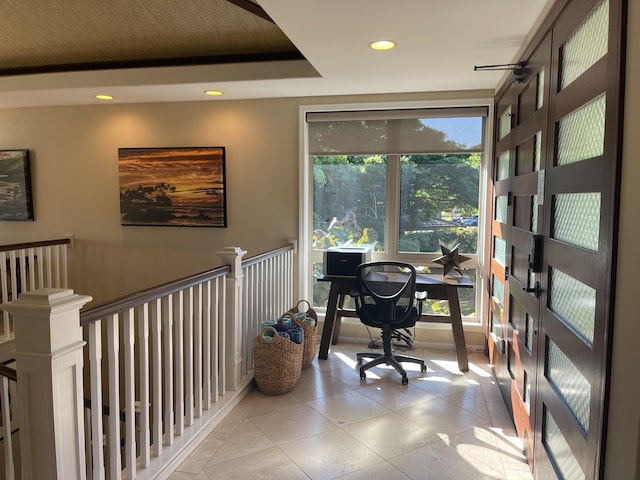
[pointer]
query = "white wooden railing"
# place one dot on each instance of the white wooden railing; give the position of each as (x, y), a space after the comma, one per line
(30, 266)
(162, 367)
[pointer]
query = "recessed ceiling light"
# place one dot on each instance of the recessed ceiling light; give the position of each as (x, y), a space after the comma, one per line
(213, 92)
(104, 97)
(382, 44)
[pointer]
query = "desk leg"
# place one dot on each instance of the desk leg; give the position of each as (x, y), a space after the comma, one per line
(456, 326)
(337, 323)
(329, 321)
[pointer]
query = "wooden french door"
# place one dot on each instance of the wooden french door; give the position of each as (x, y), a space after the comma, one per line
(555, 192)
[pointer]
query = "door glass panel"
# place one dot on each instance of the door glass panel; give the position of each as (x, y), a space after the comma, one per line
(504, 123)
(540, 92)
(587, 45)
(559, 450)
(501, 208)
(497, 294)
(529, 333)
(503, 166)
(538, 151)
(500, 250)
(577, 219)
(574, 302)
(570, 384)
(527, 391)
(534, 214)
(581, 133)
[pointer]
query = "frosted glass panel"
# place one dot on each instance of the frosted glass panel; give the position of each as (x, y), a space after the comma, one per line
(577, 219)
(538, 153)
(529, 333)
(500, 250)
(503, 166)
(504, 124)
(581, 133)
(570, 383)
(586, 46)
(498, 291)
(534, 214)
(574, 302)
(560, 451)
(540, 92)
(501, 208)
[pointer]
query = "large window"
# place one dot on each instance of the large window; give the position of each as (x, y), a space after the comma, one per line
(401, 182)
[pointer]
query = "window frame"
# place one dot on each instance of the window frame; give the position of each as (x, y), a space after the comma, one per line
(307, 256)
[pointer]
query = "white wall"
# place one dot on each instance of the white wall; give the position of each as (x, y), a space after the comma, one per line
(623, 447)
(74, 163)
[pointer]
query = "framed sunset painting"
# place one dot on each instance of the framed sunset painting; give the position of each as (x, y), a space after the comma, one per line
(181, 187)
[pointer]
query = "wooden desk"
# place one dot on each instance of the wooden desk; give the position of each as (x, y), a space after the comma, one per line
(437, 288)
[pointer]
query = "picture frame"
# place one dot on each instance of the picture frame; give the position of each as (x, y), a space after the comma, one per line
(175, 187)
(16, 201)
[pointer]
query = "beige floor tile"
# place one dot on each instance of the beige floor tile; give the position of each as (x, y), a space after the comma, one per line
(518, 475)
(479, 443)
(394, 395)
(442, 417)
(349, 407)
(182, 476)
(329, 455)
(379, 471)
(390, 435)
(314, 385)
(440, 462)
(442, 425)
(202, 455)
(293, 423)
(244, 440)
(269, 464)
(472, 400)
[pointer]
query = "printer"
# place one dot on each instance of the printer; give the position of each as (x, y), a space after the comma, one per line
(343, 261)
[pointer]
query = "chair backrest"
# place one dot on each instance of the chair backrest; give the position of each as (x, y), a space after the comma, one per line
(386, 291)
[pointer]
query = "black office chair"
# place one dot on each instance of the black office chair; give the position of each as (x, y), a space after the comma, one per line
(386, 299)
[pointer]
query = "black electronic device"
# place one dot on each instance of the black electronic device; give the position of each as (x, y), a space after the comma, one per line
(343, 261)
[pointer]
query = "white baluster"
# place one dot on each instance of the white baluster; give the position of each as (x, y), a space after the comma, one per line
(156, 337)
(178, 343)
(167, 315)
(113, 437)
(206, 344)
(9, 471)
(142, 316)
(188, 355)
(197, 353)
(128, 337)
(95, 369)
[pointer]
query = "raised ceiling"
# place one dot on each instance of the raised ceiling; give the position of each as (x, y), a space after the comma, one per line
(62, 52)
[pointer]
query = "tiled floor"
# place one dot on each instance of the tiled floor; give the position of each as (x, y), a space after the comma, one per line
(442, 425)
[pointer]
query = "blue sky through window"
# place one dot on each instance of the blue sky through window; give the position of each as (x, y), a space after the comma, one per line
(463, 130)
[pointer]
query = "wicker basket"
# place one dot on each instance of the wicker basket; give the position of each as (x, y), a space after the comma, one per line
(278, 363)
(310, 332)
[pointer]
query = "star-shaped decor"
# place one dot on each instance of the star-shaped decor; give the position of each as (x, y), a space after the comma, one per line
(451, 259)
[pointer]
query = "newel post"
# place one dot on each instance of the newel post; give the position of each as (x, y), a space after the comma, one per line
(233, 334)
(48, 352)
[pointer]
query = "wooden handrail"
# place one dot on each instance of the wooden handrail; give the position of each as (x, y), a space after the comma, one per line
(129, 301)
(8, 372)
(44, 243)
(264, 256)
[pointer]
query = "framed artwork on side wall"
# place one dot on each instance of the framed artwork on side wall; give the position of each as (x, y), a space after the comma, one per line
(180, 187)
(16, 202)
